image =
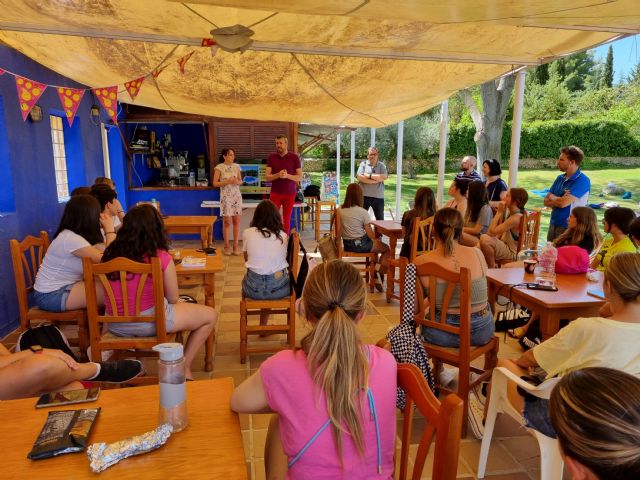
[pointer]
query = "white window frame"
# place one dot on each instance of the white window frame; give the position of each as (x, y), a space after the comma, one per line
(59, 158)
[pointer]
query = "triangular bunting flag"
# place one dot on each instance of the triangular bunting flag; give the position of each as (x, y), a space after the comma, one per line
(207, 42)
(158, 71)
(108, 97)
(1, 71)
(28, 94)
(133, 87)
(182, 61)
(70, 99)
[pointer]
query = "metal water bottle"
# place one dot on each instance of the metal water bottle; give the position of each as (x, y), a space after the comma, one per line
(173, 392)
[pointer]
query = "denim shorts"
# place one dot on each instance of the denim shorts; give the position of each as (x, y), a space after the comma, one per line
(145, 329)
(266, 287)
(55, 301)
(536, 415)
(359, 245)
(482, 329)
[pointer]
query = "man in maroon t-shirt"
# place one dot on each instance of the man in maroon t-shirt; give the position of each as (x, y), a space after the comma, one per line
(284, 171)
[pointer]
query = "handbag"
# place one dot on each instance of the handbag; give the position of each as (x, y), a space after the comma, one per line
(406, 344)
(327, 245)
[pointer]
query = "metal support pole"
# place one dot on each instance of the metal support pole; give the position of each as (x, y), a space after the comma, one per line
(373, 138)
(338, 165)
(516, 128)
(353, 156)
(399, 168)
(442, 157)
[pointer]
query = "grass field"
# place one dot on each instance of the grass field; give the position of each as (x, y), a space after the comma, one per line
(629, 179)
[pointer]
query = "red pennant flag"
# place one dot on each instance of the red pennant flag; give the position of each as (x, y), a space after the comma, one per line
(1, 71)
(207, 42)
(158, 71)
(182, 61)
(108, 97)
(133, 87)
(70, 99)
(28, 94)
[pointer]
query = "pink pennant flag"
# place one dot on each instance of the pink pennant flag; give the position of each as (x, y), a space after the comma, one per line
(1, 71)
(133, 87)
(29, 92)
(70, 99)
(108, 97)
(183, 60)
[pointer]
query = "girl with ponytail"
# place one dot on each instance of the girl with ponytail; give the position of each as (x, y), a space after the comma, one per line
(334, 396)
(450, 254)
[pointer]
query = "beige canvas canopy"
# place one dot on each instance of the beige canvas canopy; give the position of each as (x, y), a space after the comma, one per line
(336, 62)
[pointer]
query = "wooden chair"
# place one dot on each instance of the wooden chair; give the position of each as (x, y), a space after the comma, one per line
(529, 232)
(365, 262)
(422, 241)
(310, 214)
(444, 419)
(95, 274)
(459, 357)
(26, 257)
(286, 305)
(324, 216)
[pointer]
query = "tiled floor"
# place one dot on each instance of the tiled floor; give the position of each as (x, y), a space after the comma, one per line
(514, 453)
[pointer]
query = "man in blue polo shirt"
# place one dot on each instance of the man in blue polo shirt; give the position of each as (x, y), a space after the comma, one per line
(569, 190)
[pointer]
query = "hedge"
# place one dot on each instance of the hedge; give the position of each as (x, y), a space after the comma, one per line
(597, 138)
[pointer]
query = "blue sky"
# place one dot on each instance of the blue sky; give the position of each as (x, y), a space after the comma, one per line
(626, 55)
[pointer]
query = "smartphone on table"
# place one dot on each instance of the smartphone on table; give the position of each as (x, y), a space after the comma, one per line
(209, 251)
(68, 397)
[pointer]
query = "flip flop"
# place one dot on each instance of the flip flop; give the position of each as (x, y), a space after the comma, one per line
(237, 254)
(226, 251)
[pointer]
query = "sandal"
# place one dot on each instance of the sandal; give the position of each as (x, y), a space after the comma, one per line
(517, 333)
(226, 251)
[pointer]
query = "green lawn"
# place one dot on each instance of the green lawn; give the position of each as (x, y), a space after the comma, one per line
(629, 179)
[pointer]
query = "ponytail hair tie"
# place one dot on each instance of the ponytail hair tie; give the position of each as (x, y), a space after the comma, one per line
(334, 305)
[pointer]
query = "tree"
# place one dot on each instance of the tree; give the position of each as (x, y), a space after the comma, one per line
(634, 75)
(607, 79)
(489, 122)
(540, 74)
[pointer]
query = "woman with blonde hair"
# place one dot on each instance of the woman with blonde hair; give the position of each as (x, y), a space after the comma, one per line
(334, 396)
(595, 413)
(450, 254)
(585, 342)
(583, 230)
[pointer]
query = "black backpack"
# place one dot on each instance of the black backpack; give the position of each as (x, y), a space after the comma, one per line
(47, 336)
(312, 191)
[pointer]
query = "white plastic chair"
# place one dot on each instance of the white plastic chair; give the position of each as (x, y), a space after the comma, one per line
(551, 464)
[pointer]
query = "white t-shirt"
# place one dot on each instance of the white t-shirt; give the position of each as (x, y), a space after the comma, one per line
(352, 222)
(265, 255)
(60, 267)
(591, 342)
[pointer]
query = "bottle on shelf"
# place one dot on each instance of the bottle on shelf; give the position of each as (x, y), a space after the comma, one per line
(154, 202)
(546, 268)
(173, 392)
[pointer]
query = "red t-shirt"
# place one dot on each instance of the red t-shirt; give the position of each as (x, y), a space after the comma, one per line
(290, 162)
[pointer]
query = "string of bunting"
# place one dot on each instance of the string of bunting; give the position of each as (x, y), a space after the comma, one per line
(30, 91)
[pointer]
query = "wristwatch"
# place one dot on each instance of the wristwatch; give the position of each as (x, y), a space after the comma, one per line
(37, 349)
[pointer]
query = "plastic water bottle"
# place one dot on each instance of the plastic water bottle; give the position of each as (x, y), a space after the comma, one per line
(154, 202)
(173, 391)
(192, 178)
(546, 274)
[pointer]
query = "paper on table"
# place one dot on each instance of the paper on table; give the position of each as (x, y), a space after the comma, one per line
(194, 262)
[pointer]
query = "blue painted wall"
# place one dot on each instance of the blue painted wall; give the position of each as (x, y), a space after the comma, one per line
(28, 202)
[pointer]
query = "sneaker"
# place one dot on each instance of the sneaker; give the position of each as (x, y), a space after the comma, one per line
(118, 372)
(447, 375)
(378, 282)
(476, 416)
(480, 393)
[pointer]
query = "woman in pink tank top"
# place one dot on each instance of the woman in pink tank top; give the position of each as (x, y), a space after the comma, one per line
(334, 396)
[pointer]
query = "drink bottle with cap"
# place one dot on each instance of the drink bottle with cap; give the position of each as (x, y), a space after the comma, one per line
(173, 392)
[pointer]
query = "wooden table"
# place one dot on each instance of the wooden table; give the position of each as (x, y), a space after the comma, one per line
(210, 447)
(207, 274)
(393, 230)
(569, 302)
(198, 224)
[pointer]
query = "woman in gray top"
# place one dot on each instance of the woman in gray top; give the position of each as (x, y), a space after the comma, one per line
(478, 216)
(356, 232)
